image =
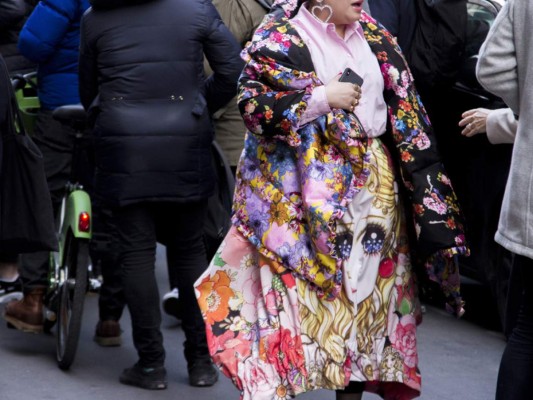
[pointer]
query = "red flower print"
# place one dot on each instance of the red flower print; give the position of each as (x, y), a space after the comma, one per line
(285, 125)
(382, 56)
(227, 349)
(288, 280)
(451, 223)
(419, 209)
(216, 343)
(404, 105)
(404, 340)
(285, 351)
(406, 156)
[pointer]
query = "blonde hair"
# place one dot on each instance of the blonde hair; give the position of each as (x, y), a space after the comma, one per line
(328, 324)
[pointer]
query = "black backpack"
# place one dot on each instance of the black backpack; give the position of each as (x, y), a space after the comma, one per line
(438, 48)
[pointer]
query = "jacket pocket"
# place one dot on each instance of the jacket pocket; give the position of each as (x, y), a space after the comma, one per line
(199, 106)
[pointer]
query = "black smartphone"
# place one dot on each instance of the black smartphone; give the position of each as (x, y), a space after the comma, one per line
(351, 76)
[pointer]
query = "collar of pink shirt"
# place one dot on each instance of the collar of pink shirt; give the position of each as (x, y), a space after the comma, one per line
(331, 54)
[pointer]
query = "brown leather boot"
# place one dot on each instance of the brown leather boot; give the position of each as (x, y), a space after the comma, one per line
(108, 333)
(27, 314)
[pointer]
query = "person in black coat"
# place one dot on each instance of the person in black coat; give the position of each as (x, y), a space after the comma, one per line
(398, 16)
(12, 16)
(143, 84)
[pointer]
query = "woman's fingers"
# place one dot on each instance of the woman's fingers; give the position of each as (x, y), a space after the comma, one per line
(474, 122)
(469, 113)
(343, 95)
(356, 97)
(464, 121)
(473, 128)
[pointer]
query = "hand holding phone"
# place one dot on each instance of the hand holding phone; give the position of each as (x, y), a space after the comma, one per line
(341, 95)
(351, 76)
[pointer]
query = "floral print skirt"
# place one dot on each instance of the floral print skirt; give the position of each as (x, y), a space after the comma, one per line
(271, 333)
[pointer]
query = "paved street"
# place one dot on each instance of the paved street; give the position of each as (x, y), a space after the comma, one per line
(459, 360)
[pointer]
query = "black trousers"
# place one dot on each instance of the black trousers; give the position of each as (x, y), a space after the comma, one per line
(516, 368)
(104, 254)
(55, 142)
(179, 227)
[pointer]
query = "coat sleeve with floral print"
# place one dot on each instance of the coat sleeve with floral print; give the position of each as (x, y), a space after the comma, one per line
(271, 98)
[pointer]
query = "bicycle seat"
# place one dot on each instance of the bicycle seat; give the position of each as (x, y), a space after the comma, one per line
(73, 115)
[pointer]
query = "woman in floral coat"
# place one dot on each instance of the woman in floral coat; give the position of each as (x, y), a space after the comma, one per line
(313, 287)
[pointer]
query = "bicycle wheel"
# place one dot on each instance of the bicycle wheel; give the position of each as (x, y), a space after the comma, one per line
(72, 292)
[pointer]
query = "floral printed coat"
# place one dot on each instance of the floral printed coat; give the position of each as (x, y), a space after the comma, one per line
(294, 182)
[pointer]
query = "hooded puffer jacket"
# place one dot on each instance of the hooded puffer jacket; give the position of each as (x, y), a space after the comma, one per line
(143, 82)
(51, 37)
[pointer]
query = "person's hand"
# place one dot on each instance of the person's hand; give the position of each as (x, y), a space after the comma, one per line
(474, 121)
(342, 94)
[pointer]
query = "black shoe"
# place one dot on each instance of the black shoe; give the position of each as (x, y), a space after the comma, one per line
(10, 291)
(202, 373)
(146, 378)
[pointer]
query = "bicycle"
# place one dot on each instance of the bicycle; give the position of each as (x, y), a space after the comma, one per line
(68, 276)
(68, 272)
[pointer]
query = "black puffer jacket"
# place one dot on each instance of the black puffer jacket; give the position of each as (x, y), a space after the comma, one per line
(141, 77)
(12, 16)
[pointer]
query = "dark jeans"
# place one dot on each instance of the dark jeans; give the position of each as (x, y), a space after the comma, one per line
(55, 142)
(179, 228)
(516, 368)
(104, 252)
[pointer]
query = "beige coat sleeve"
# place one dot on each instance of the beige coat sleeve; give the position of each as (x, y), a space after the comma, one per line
(241, 17)
(497, 67)
(501, 126)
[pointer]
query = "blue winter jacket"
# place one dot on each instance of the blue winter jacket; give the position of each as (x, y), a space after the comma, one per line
(51, 38)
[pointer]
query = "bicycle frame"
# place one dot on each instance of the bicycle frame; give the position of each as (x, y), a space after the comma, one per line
(75, 204)
(26, 94)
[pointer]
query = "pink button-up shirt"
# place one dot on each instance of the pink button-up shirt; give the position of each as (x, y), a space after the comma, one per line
(331, 54)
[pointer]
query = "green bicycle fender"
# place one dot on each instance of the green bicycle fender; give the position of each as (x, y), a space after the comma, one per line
(77, 202)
